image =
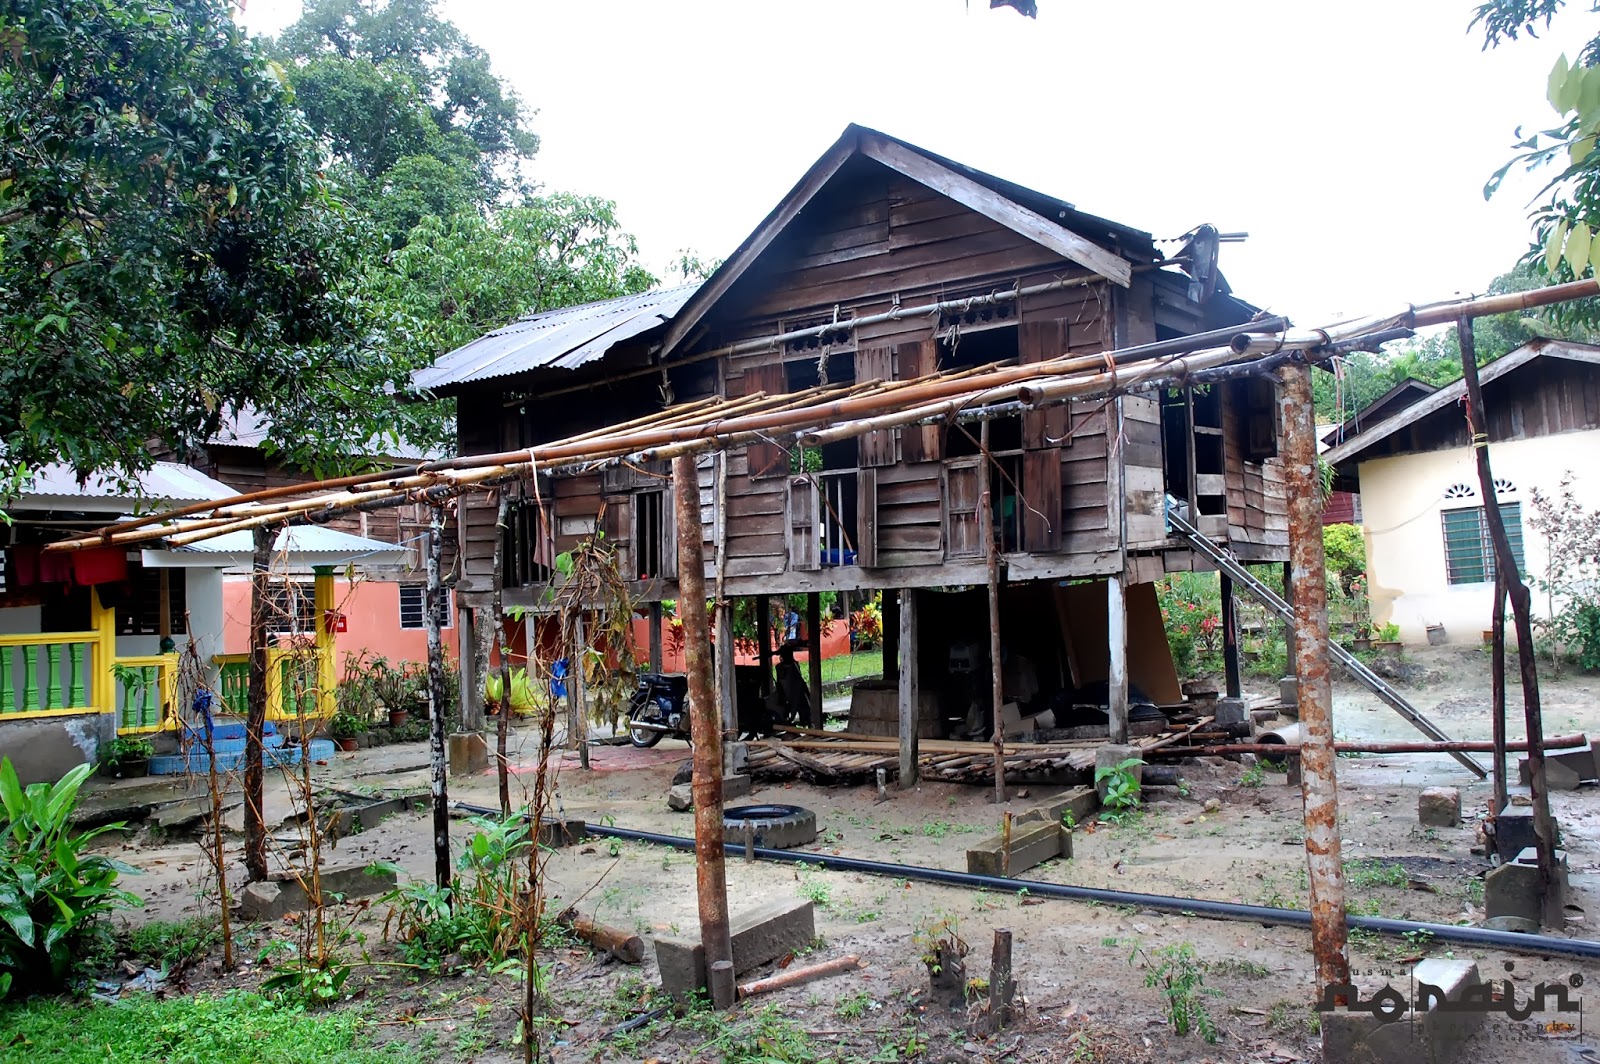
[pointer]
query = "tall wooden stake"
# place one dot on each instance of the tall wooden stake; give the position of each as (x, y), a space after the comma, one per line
(439, 726)
(578, 688)
(910, 699)
(502, 726)
(1117, 671)
(1497, 686)
(1318, 787)
(1509, 576)
(814, 654)
(711, 879)
(997, 697)
(1230, 639)
(255, 826)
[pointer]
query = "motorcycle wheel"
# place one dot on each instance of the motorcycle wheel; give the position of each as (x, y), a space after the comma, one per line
(643, 738)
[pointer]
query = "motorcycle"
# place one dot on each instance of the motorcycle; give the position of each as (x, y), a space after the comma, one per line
(658, 708)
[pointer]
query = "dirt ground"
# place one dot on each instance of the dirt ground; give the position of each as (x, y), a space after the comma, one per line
(1086, 1000)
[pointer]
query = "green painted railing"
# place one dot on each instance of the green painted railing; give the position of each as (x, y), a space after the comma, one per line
(47, 673)
(289, 676)
(146, 687)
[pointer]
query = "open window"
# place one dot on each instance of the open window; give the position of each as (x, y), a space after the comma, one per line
(1193, 452)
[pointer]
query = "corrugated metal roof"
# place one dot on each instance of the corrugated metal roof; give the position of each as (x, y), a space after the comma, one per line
(555, 339)
(55, 486)
(247, 428)
(298, 545)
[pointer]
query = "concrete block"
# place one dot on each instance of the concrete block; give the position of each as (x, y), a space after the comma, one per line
(1429, 1035)
(469, 754)
(1032, 843)
(735, 786)
(1110, 757)
(1439, 807)
(1514, 890)
(760, 936)
(1232, 711)
(1559, 775)
(282, 893)
(1441, 1032)
(1081, 802)
(681, 798)
(558, 834)
(1289, 693)
(1513, 828)
(266, 901)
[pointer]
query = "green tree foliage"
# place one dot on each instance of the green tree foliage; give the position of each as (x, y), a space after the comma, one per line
(410, 110)
(168, 249)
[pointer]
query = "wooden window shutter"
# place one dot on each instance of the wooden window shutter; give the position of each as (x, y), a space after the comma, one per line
(867, 518)
(963, 520)
(766, 458)
(877, 446)
(1041, 501)
(920, 443)
(802, 507)
(1040, 341)
(618, 527)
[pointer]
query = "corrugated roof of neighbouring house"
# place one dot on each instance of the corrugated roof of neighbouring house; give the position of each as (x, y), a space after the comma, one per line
(247, 428)
(296, 545)
(555, 339)
(55, 486)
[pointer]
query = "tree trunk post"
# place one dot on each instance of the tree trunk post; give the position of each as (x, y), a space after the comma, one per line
(991, 553)
(1117, 674)
(711, 879)
(814, 654)
(1233, 684)
(1497, 687)
(502, 724)
(1509, 576)
(255, 825)
(438, 714)
(909, 700)
(1318, 785)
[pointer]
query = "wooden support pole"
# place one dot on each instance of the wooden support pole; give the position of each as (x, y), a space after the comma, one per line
(255, 829)
(711, 879)
(497, 606)
(472, 659)
(991, 539)
(434, 606)
(1509, 576)
(726, 698)
(890, 607)
(1002, 987)
(625, 946)
(655, 637)
(909, 699)
(814, 654)
(1497, 687)
(577, 689)
(1117, 674)
(764, 641)
(1232, 682)
(1288, 629)
(1318, 786)
(798, 976)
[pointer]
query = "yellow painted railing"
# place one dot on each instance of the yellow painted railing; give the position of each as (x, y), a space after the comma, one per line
(147, 689)
(290, 675)
(51, 674)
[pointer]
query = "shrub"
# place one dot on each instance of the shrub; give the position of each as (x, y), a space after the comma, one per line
(51, 893)
(1191, 610)
(1346, 552)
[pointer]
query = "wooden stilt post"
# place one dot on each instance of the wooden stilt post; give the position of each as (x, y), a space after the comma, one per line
(1497, 685)
(1288, 629)
(1509, 576)
(1230, 639)
(502, 724)
(1117, 674)
(991, 539)
(1318, 786)
(710, 871)
(764, 641)
(434, 606)
(909, 695)
(726, 697)
(577, 689)
(814, 654)
(255, 829)
(473, 638)
(655, 637)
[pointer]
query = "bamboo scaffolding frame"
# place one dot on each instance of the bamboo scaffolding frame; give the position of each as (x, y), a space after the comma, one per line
(822, 414)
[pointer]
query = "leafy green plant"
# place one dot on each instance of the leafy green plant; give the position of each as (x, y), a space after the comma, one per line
(170, 944)
(51, 891)
(305, 982)
(124, 749)
(1368, 873)
(1389, 633)
(1122, 784)
(1179, 973)
(346, 725)
(1253, 776)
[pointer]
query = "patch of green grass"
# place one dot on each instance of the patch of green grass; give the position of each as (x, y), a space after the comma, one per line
(1294, 1017)
(164, 943)
(237, 1027)
(854, 1006)
(1369, 873)
(1369, 907)
(1238, 966)
(816, 890)
(760, 1037)
(843, 667)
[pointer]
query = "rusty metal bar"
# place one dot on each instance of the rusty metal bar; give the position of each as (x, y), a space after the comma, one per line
(1497, 684)
(711, 878)
(1318, 785)
(1508, 576)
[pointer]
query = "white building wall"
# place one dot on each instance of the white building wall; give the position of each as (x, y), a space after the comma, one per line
(1402, 498)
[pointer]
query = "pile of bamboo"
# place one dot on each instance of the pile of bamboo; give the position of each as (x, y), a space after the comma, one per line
(825, 412)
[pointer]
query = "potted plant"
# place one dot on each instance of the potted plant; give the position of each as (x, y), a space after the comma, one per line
(127, 757)
(1388, 641)
(345, 727)
(1363, 635)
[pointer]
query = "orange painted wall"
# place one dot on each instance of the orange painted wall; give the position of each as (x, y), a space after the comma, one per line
(372, 614)
(836, 640)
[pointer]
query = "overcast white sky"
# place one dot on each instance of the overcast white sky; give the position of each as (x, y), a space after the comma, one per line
(1351, 140)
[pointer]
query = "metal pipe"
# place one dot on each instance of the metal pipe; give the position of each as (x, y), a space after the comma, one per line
(1318, 784)
(711, 878)
(1453, 934)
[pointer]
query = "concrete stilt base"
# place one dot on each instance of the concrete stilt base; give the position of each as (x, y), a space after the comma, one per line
(469, 754)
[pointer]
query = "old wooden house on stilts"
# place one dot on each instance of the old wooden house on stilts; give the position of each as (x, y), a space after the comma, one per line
(884, 265)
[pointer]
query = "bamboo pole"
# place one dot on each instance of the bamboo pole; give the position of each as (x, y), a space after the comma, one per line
(997, 695)
(255, 827)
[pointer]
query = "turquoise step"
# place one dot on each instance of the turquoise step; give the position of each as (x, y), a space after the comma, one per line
(271, 756)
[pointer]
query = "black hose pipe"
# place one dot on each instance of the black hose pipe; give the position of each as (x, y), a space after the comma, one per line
(1478, 937)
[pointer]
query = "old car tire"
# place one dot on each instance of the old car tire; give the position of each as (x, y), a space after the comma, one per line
(779, 827)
